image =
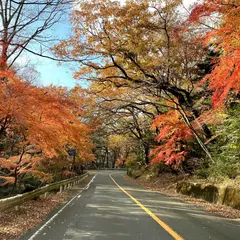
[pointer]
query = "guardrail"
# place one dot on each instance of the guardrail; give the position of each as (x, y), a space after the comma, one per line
(60, 186)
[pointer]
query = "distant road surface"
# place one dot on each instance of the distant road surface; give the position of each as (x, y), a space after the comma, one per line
(110, 207)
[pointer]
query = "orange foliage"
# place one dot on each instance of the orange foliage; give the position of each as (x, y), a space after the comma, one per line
(45, 118)
(68, 174)
(120, 162)
(173, 134)
(225, 40)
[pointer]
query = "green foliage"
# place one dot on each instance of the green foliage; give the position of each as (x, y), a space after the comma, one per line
(202, 173)
(134, 173)
(227, 148)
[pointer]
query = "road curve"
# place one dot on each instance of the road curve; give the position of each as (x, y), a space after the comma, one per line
(110, 207)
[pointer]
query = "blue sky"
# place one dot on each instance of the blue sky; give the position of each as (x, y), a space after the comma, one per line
(50, 71)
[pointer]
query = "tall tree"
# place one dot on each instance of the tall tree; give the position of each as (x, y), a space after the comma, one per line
(24, 25)
(138, 45)
(221, 20)
(45, 119)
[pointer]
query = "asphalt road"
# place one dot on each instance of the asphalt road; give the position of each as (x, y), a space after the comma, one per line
(104, 210)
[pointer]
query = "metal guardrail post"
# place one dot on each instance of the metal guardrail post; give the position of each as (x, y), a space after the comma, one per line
(20, 198)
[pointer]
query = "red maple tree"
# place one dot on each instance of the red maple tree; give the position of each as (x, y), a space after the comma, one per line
(223, 36)
(173, 136)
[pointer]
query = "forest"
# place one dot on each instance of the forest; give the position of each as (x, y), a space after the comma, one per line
(162, 95)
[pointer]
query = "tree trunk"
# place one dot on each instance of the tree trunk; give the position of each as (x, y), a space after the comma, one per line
(207, 132)
(146, 152)
(16, 171)
(199, 140)
(107, 157)
(73, 162)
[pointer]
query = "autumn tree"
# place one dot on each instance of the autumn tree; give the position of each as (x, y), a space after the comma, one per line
(216, 26)
(126, 113)
(38, 120)
(174, 136)
(138, 45)
(121, 146)
(24, 27)
(221, 20)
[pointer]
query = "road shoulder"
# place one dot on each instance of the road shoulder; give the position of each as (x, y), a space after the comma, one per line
(27, 218)
(188, 220)
(159, 185)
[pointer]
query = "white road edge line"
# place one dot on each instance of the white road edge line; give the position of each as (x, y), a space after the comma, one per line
(56, 214)
(86, 188)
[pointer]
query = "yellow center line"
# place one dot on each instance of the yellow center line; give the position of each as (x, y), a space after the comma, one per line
(150, 213)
